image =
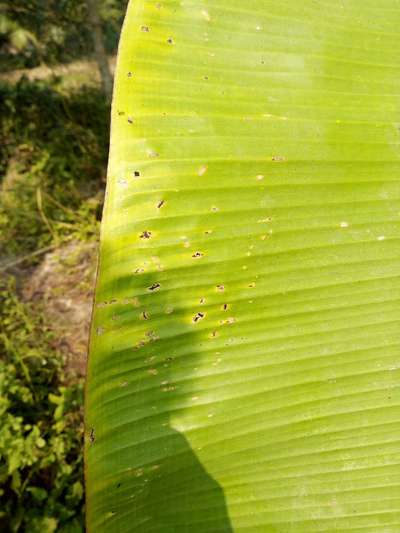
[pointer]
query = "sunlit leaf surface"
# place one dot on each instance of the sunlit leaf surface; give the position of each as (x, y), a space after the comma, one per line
(244, 365)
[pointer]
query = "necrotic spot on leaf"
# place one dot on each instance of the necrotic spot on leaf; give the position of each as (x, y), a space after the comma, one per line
(198, 316)
(202, 170)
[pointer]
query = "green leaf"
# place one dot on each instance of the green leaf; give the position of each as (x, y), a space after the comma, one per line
(77, 490)
(44, 525)
(244, 361)
(57, 400)
(38, 493)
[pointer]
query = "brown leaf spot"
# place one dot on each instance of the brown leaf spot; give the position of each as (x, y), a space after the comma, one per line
(198, 316)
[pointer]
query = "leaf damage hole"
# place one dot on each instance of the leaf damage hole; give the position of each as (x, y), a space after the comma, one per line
(145, 315)
(136, 173)
(198, 316)
(197, 255)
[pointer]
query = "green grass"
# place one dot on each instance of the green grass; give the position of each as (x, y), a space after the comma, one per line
(53, 152)
(41, 487)
(53, 156)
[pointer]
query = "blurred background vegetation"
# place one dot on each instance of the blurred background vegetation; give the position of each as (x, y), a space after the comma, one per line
(56, 59)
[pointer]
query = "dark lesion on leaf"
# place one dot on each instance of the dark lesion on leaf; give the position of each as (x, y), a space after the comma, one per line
(145, 234)
(154, 287)
(198, 316)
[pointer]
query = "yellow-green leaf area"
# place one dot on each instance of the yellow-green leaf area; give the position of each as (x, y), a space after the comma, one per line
(244, 362)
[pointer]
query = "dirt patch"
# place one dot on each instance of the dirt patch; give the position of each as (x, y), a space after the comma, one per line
(64, 284)
(84, 70)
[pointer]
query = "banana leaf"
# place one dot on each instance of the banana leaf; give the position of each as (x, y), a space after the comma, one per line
(244, 361)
